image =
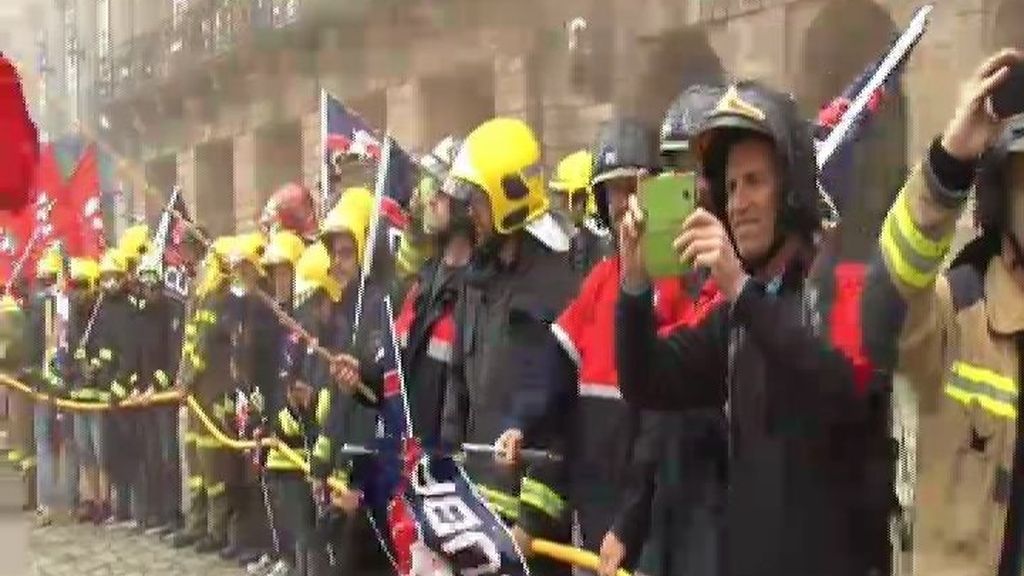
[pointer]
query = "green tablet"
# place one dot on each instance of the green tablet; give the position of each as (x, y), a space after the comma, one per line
(667, 200)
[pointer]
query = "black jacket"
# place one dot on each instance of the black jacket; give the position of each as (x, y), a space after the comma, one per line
(425, 346)
(117, 345)
(502, 320)
(792, 399)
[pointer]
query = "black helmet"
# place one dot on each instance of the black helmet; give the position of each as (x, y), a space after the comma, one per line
(624, 147)
(992, 201)
(686, 114)
(750, 107)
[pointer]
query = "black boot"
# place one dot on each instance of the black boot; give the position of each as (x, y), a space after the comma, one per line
(184, 539)
(209, 545)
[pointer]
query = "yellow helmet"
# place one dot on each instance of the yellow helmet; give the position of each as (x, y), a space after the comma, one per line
(48, 264)
(247, 248)
(313, 272)
(502, 158)
(134, 242)
(8, 304)
(351, 214)
(285, 248)
(213, 272)
(113, 262)
(573, 173)
(85, 270)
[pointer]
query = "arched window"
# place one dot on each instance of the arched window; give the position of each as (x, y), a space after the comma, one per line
(845, 37)
(671, 62)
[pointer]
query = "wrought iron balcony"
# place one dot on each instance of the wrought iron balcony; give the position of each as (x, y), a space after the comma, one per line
(208, 29)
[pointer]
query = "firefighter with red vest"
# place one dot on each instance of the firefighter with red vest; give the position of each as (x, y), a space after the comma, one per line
(610, 449)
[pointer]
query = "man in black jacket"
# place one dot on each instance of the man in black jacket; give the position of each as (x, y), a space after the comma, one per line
(788, 393)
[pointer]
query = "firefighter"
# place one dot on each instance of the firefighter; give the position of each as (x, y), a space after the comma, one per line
(112, 366)
(50, 375)
(689, 467)
(426, 326)
(609, 453)
(200, 330)
(958, 335)
(246, 529)
(89, 426)
(518, 279)
(790, 393)
(573, 200)
(206, 374)
(416, 245)
(346, 416)
(286, 413)
(13, 361)
(158, 424)
(24, 410)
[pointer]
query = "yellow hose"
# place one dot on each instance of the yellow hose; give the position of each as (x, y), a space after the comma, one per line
(553, 550)
(569, 555)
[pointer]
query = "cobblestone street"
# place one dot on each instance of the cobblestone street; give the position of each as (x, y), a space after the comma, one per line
(82, 550)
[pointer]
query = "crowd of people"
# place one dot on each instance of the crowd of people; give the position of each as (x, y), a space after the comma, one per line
(734, 419)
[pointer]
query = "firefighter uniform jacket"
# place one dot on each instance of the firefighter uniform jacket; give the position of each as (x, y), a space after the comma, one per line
(961, 345)
(796, 408)
(116, 341)
(154, 336)
(206, 374)
(502, 320)
(347, 418)
(40, 375)
(82, 385)
(604, 429)
(425, 330)
(295, 427)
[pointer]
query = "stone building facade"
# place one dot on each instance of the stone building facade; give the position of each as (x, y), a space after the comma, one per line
(221, 96)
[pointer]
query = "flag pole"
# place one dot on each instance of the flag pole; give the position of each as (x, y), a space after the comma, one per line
(325, 161)
(895, 56)
(371, 241)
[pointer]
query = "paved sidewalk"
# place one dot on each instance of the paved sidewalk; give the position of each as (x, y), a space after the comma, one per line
(85, 550)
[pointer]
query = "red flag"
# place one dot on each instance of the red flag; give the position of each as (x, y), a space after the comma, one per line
(19, 147)
(84, 220)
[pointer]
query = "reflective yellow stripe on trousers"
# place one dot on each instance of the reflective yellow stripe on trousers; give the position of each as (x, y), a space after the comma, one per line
(992, 391)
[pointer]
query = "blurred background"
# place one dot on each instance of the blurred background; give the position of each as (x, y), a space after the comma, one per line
(221, 97)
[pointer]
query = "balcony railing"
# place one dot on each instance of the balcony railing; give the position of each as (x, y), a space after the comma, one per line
(209, 28)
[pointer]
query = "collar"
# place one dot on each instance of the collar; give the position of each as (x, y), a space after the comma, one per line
(1002, 299)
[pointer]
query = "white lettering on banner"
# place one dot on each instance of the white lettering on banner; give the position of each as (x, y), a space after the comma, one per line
(475, 540)
(176, 281)
(455, 523)
(449, 515)
(426, 485)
